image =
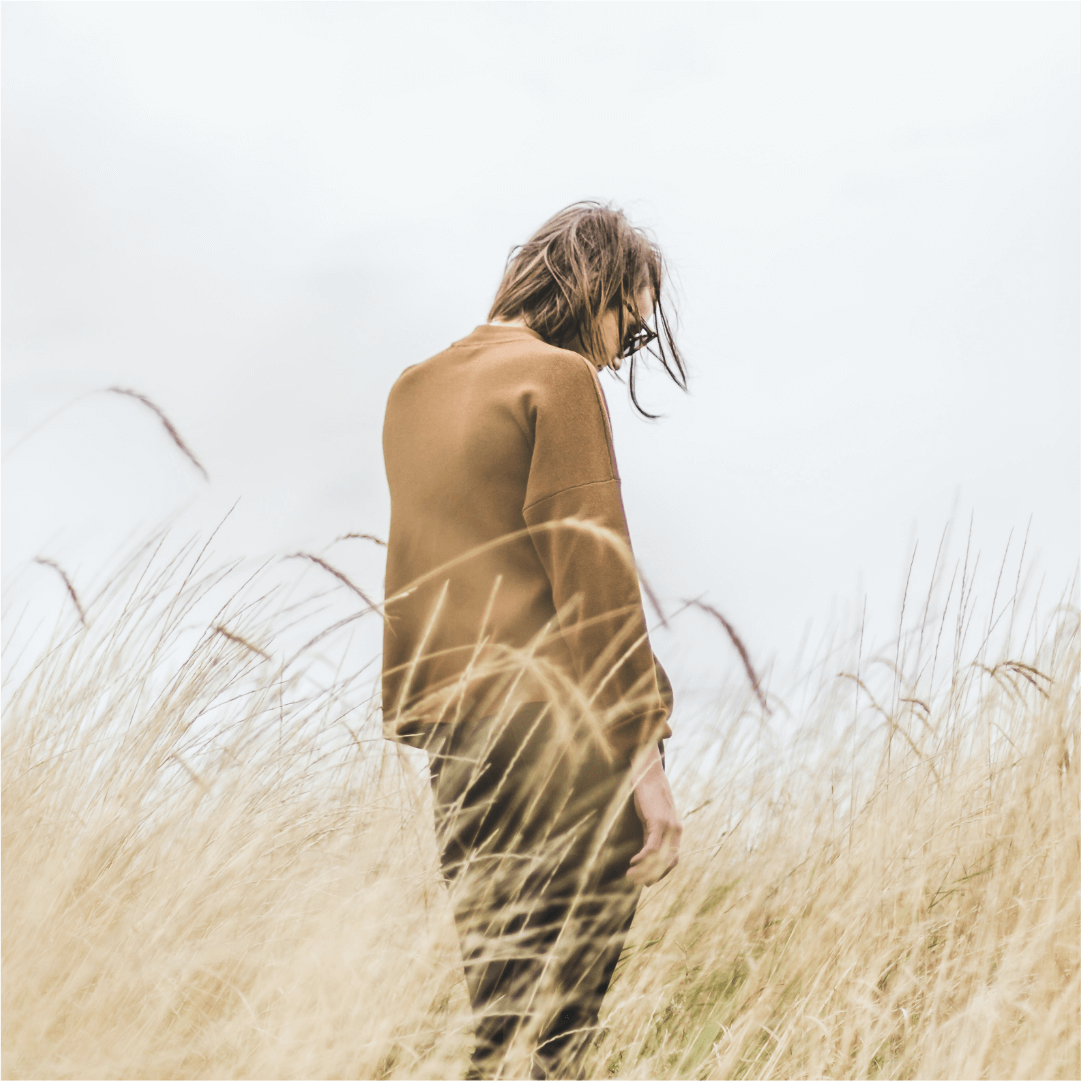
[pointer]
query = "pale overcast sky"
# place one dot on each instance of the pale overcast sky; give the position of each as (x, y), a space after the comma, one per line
(257, 214)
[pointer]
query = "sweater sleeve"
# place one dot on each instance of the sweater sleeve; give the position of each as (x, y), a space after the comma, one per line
(573, 489)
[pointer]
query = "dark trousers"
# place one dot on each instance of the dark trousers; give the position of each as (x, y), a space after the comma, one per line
(535, 829)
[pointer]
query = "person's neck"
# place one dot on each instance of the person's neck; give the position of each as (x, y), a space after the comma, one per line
(508, 323)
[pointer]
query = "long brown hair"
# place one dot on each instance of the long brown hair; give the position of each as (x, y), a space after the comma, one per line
(582, 262)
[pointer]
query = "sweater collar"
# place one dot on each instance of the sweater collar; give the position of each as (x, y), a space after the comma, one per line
(487, 332)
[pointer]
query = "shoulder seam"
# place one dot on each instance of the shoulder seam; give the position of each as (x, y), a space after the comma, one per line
(569, 488)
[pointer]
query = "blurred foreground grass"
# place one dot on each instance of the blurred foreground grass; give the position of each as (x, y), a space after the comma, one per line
(215, 868)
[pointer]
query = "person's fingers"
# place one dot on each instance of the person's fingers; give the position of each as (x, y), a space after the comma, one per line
(671, 863)
(658, 855)
(650, 871)
(654, 840)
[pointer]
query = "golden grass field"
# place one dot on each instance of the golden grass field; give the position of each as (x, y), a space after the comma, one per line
(215, 868)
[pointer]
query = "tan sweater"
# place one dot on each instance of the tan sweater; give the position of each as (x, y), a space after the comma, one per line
(499, 587)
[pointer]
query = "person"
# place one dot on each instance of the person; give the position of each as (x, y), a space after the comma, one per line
(516, 649)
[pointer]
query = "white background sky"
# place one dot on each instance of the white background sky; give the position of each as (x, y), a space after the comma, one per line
(258, 214)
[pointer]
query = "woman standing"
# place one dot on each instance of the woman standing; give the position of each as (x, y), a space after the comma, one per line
(515, 644)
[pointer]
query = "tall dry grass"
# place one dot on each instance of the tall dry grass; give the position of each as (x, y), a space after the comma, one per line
(214, 867)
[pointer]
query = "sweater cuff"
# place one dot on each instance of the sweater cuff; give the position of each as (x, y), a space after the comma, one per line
(627, 737)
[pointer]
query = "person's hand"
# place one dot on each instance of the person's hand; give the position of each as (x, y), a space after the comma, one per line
(657, 810)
